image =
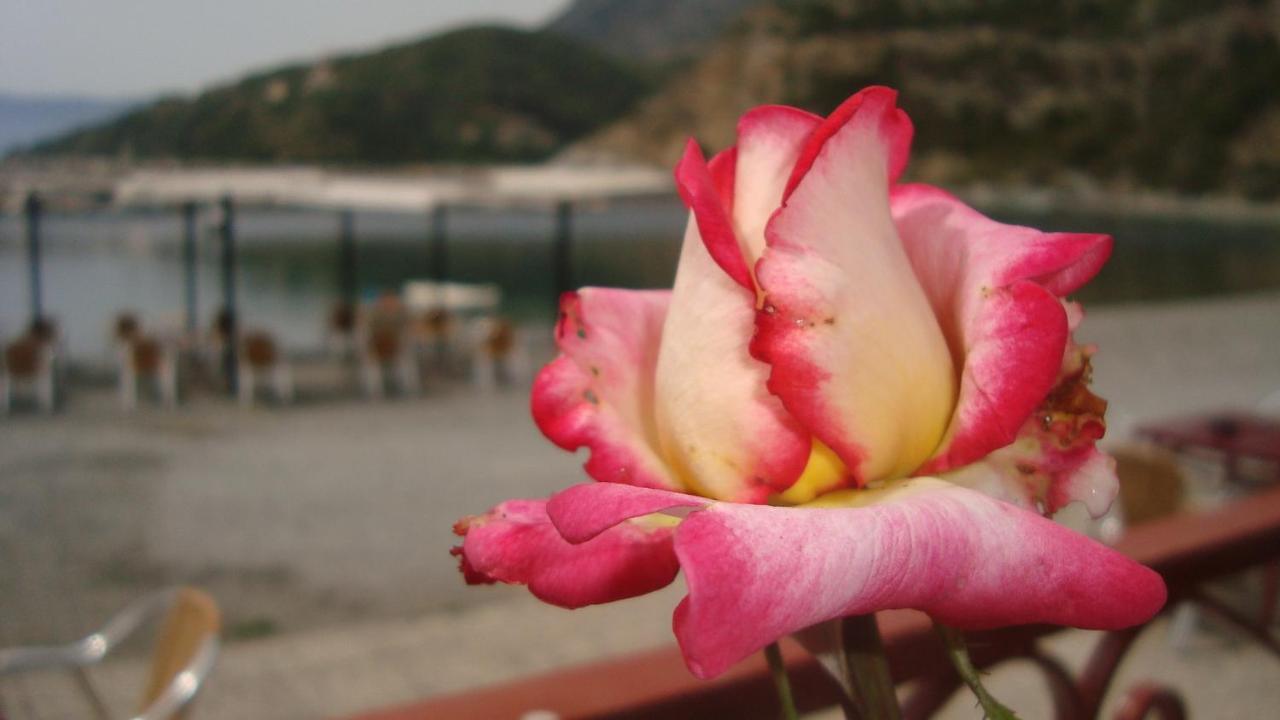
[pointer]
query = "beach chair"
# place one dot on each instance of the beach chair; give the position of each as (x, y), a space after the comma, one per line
(211, 346)
(125, 328)
(385, 346)
(384, 349)
(29, 363)
(434, 333)
(497, 356)
(260, 356)
(145, 357)
(182, 657)
(340, 330)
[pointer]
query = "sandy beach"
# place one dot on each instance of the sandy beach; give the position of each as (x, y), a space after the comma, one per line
(323, 530)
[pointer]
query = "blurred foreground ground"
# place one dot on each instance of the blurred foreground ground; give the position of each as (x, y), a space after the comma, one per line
(323, 530)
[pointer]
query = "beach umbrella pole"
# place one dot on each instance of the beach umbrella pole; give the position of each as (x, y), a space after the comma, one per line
(347, 271)
(562, 249)
(189, 267)
(34, 207)
(231, 346)
(439, 245)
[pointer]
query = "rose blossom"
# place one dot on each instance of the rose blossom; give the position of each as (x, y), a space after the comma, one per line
(859, 395)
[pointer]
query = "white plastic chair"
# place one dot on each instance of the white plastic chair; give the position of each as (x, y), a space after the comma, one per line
(185, 651)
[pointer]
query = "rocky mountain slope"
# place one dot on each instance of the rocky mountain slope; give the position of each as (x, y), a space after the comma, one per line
(1178, 95)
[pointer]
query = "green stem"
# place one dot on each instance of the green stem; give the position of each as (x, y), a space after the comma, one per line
(867, 669)
(773, 654)
(959, 654)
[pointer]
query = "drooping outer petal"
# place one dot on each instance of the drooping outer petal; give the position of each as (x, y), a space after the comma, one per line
(756, 573)
(599, 392)
(516, 543)
(994, 289)
(857, 355)
(720, 430)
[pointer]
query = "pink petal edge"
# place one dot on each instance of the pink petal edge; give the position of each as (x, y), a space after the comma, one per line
(704, 200)
(599, 392)
(896, 128)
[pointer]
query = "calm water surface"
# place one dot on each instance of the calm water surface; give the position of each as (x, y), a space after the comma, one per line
(96, 265)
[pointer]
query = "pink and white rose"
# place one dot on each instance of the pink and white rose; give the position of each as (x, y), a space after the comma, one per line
(859, 395)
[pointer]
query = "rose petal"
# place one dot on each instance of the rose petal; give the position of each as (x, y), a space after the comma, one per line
(516, 543)
(895, 127)
(584, 511)
(1053, 461)
(856, 353)
(721, 432)
(756, 573)
(703, 198)
(770, 139)
(993, 287)
(599, 392)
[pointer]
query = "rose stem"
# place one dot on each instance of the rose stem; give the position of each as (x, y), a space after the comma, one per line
(959, 654)
(773, 654)
(868, 668)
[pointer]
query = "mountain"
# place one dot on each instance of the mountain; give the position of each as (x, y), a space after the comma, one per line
(1178, 95)
(472, 95)
(25, 119)
(649, 30)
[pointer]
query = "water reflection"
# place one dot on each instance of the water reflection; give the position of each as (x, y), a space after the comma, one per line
(98, 264)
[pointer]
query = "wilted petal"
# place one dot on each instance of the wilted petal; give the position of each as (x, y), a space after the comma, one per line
(721, 432)
(756, 573)
(599, 392)
(516, 543)
(857, 355)
(1053, 461)
(994, 288)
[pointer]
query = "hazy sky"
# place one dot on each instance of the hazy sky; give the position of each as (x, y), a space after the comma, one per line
(136, 48)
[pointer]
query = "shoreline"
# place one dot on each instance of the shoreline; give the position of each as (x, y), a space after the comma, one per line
(84, 183)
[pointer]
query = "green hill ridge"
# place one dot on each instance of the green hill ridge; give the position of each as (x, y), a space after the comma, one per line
(479, 94)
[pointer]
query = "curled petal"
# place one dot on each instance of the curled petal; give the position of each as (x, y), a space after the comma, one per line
(857, 355)
(704, 199)
(756, 573)
(584, 511)
(599, 392)
(994, 289)
(516, 543)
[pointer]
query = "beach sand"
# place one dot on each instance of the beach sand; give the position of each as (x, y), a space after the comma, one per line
(323, 530)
